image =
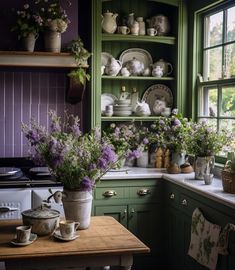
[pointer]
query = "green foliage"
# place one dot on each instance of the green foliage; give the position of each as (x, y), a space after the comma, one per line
(79, 75)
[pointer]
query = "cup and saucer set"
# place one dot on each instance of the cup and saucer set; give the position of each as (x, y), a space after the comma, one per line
(67, 230)
(24, 236)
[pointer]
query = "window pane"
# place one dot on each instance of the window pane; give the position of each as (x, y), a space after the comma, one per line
(231, 24)
(208, 104)
(213, 64)
(228, 101)
(229, 125)
(214, 29)
(230, 61)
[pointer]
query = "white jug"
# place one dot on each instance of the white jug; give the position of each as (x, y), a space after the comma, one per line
(113, 67)
(108, 23)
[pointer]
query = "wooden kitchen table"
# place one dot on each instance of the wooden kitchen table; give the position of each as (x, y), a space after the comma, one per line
(106, 242)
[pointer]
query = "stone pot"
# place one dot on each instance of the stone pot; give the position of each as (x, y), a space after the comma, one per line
(43, 220)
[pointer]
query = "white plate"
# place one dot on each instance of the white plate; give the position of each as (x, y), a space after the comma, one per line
(138, 53)
(58, 235)
(107, 99)
(105, 57)
(6, 171)
(32, 238)
(158, 91)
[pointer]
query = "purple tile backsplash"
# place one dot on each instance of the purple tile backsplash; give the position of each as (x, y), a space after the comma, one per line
(24, 95)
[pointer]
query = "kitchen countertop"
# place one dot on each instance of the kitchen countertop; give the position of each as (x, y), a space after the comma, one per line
(213, 191)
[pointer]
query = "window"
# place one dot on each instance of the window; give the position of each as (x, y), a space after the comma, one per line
(216, 97)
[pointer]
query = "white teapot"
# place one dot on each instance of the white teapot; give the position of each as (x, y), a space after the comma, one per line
(135, 67)
(125, 72)
(113, 67)
(159, 106)
(142, 109)
(157, 72)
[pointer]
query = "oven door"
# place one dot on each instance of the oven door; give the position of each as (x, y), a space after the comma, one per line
(13, 202)
(40, 194)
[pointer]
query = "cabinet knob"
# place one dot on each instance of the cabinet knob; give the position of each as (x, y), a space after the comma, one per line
(109, 193)
(172, 196)
(184, 202)
(143, 192)
(124, 213)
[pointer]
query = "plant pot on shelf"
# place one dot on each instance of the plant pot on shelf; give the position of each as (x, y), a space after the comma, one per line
(52, 41)
(28, 43)
(143, 160)
(75, 91)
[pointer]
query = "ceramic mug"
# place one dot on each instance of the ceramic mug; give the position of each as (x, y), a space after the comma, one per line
(68, 228)
(151, 31)
(23, 234)
(124, 30)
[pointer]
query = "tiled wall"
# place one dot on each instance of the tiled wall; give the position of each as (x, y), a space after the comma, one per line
(24, 95)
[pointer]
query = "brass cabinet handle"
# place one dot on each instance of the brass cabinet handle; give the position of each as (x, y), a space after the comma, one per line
(109, 193)
(132, 212)
(184, 202)
(172, 196)
(143, 192)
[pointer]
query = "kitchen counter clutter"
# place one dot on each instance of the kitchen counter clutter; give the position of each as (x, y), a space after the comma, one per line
(213, 191)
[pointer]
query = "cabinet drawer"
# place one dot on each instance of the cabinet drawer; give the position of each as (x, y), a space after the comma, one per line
(149, 193)
(111, 193)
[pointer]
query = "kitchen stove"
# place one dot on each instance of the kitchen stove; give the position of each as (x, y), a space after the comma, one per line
(22, 172)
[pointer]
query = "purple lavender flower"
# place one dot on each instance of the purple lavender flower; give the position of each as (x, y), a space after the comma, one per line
(176, 122)
(108, 154)
(145, 141)
(133, 154)
(86, 184)
(102, 163)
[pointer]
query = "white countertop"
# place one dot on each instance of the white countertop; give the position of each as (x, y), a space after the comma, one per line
(213, 191)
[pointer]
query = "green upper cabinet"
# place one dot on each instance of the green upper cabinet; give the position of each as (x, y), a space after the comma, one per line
(170, 47)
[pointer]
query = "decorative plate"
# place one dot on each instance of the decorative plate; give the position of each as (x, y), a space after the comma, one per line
(107, 99)
(105, 58)
(137, 53)
(158, 91)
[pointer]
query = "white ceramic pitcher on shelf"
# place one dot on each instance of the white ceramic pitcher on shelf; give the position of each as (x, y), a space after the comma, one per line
(108, 23)
(113, 67)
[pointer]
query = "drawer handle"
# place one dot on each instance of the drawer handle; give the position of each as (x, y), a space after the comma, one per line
(109, 193)
(143, 192)
(184, 202)
(172, 196)
(4, 209)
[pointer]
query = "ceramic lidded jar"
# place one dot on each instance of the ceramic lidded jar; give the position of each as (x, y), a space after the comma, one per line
(108, 23)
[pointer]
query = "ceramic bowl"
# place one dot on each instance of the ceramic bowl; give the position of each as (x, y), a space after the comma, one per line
(43, 220)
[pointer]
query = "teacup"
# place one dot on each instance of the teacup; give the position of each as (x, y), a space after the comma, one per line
(151, 31)
(23, 234)
(68, 228)
(124, 30)
(208, 178)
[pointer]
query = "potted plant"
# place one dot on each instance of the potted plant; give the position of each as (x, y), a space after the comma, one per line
(54, 20)
(79, 75)
(28, 25)
(77, 160)
(204, 143)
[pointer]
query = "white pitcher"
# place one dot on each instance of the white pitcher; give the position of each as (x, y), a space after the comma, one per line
(108, 23)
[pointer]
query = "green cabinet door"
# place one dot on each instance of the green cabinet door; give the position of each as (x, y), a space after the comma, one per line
(119, 212)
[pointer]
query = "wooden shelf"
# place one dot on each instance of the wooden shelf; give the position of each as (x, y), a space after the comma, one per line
(37, 59)
(129, 118)
(131, 38)
(150, 78)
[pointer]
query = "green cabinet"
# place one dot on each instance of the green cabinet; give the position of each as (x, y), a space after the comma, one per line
(172, 48)
(136, 204)
(179, 205)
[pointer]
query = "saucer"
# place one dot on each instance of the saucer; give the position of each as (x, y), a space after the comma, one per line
(32, 238)
(58, 235)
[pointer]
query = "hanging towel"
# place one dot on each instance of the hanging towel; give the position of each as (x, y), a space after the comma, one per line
(204, 240)
(223, 238)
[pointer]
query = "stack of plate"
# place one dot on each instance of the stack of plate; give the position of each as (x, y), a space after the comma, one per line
(122, 107)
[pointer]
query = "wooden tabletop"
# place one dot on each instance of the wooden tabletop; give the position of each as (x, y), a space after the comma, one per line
(104, 236)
